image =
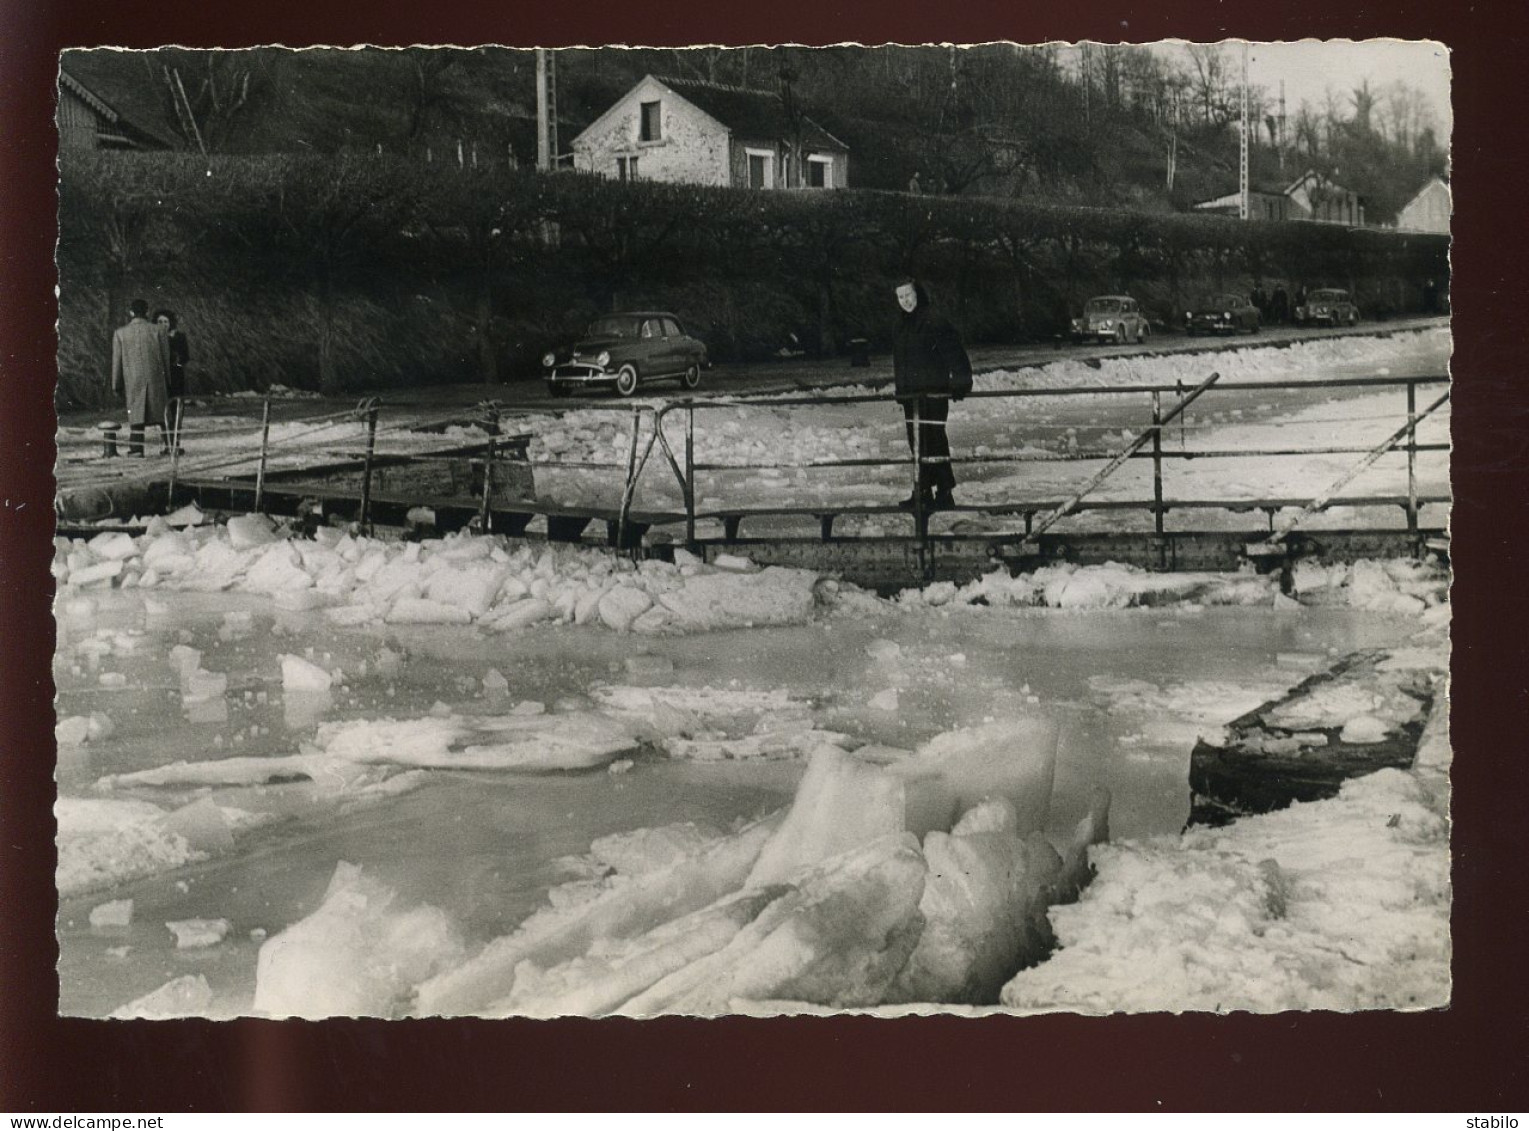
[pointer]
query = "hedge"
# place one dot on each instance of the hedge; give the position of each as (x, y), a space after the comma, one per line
(356, 271)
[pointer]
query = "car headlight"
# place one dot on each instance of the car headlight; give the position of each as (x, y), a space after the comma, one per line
(603, 358)
(1227, 314)
(549, 360)
(1108, 324)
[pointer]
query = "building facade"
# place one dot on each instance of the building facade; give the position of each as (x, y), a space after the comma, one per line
(1309, 197)
(1429, 210)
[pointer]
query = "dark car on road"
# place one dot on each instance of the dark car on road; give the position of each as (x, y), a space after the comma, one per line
(1111, 318)
(626, 350)
(1327, 306)
(1223, 314)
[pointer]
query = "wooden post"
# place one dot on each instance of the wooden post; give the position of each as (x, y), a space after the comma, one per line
(1412, 459)
(1157, 462)
(491, 423)
(631, 478)
(690, 475)
(175, 448)
(369, 406)
(265, 445)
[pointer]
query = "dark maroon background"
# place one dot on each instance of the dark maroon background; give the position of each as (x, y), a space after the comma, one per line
(1470, 1057)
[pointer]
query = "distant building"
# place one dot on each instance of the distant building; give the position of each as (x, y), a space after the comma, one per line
(1310, 196)
(99, 108)
(1429, 210)
(685, 130)
(1264, 203)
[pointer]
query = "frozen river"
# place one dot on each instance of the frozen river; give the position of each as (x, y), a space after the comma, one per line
(1130, 690)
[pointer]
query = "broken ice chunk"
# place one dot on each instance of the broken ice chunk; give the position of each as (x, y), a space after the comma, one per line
(1363, 730)
(114, 914)
(840, 804)
(202, 824)
(71, 731)
(248, 530)
(192, 933)
(188, 996)
(298, 674)
(838, 940)
(355, 956)
(1013, 758)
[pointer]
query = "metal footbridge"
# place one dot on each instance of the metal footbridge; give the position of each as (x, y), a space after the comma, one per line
(667, 477)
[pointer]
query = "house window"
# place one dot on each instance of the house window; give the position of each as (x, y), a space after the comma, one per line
(626, 168)
(650, 128)
(820, 172)
(761, 168)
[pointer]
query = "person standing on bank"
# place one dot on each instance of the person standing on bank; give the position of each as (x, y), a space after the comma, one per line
(930, 369)
(140, 367)
(180, 354)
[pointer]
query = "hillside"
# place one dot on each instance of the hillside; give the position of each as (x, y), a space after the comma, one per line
(997, 120)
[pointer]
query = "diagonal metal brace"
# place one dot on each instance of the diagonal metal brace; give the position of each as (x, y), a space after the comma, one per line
(1142, 440)
(1272, 544)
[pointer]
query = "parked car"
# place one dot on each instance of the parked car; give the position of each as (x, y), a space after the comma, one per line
(624, 351)
(1223, 314)
(1328, 305)
(1111, 318)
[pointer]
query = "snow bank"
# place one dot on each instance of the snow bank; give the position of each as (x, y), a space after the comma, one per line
(461, 580)
(1340, 904)
(1392, 586)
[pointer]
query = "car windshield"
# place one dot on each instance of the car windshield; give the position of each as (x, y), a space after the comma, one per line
(1327, 296)
(616, 326)
(1102, 306)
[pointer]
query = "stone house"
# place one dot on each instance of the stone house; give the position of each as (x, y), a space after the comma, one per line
(689, 131)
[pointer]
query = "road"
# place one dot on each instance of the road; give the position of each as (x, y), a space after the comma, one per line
(806, 374)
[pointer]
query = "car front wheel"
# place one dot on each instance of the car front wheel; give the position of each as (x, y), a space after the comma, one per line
(1142, 333)
(691, 377)
(1120, 336)
(626, 381)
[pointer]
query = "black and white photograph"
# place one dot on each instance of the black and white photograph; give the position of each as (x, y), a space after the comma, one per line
(958, 528)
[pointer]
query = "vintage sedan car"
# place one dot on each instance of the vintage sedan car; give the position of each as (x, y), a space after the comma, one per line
(1328, 306)
(1111, 318)
(626, 350)
(1223, 314)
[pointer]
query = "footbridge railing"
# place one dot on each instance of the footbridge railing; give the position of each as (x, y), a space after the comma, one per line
(1034, 465)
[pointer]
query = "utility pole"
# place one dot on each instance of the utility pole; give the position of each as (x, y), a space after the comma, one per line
(1242, 163)
(546, 110)
(1282, 126)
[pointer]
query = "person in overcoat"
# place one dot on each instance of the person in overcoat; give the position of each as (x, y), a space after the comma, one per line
(140, 368)
(929, 369)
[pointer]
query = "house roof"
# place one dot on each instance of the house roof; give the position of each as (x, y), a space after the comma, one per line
(748, 112)
(1234, 199)
(1428, 187)
(122, 87)
(1313, 175)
